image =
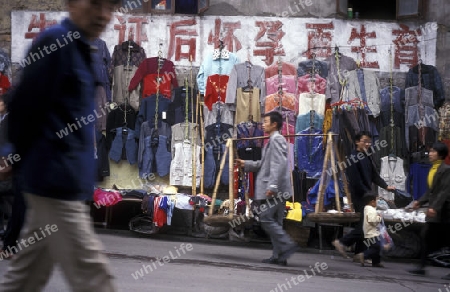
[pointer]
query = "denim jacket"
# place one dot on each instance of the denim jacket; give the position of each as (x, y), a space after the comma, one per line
(115, 153)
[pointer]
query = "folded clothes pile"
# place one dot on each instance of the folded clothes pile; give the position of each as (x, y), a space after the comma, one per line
(401, 214)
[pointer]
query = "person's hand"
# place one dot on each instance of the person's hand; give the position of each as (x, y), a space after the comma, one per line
(240, 162)
(270, 193)
(415, 205)
(391, 188)
(431, 213)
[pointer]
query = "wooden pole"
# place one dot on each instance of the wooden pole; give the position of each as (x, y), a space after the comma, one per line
(231, 178)
(216, 186)
(344, 180)
(322, 187)
(335, 179)
(202, 134)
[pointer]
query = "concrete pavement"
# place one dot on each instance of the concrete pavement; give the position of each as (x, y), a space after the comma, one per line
(175, 263)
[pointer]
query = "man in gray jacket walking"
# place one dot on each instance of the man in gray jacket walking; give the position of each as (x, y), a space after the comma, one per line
(272, 189)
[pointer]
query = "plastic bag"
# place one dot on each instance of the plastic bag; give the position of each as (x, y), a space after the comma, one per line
(386, 241)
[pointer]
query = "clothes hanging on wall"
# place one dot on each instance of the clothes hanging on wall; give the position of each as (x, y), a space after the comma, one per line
(308, 84)
(124, 145)
(147, 111)
(147, 74)
(176, 112)
(216, 89)
(395, 142)
(181, 168)
(247, 105)
(336, 75)
(220, 113)
(431, 79)
(310, 153)
(305, 68)
(249, 149)
(5, 65)
(120, 56)
(285, 99)
(154, 157)
(417, 179)
(121, 78)
(183, 131)
(311, 102)
(103, 169)
(116, 118)
(365, 85)
(287, 83)
(239, 77)
(100, 101)
(101, 63)
(220, 62)
(444, 121)
(286, 69)
(421, 119)
(393, 174)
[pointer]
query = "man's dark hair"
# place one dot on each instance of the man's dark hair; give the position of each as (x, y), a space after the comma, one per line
(441, 149)
(275, 117)
(360, 134)
(369, 196)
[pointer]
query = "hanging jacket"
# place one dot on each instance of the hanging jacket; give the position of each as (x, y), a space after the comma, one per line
(305, 84)
(102, 59)
(120, 56)
(239, 77)
(118, 144)
(333, 90)
(147, 73)
(116, 118)
(121, 80)
(365, 85)
(393, 174)
(431, 79)
(305, 67)
(147, 111)
(176, 111)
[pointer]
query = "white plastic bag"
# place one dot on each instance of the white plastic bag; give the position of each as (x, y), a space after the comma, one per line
(386, 241)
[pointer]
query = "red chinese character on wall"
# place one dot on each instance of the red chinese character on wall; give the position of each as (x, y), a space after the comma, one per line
(319, 40)
(135, 32)
(230, 41)
(406, 51)
(273, 32)
(363, 48)
(39, 24)
(177, 30)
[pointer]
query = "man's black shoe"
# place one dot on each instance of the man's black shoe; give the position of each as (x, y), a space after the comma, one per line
(270, 260)
(285, 255)
(418, 271)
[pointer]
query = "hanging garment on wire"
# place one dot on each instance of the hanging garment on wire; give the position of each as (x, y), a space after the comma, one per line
(120, 56)
(159, 211)
(124, 142)
(336, 76)
(286, 69)
(310, 153)
(239, 77)
(396, 144)
(431, 79)
(176, 112)
(249, 149)
(305, 84)
(148, 74)
(221, 112)
(221, 64)
(154, 157)
(365, 85)
(393, 174)
(147, 111)
(308, 120)
(311, 102)
(305, 68)
(288, 84)
(101, 61)
(100, 100)
(444, 121)
(248, 104)
(216, 89)
(181, 167)
(116, 119)
(398, 98)
(417, 179)
(120, 86)
(183, 131)
(287, 100)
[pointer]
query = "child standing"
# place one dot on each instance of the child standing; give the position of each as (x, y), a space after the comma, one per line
(371, 232)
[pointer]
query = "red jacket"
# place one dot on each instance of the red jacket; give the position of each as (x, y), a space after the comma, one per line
(4, 84)
(148, 73)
